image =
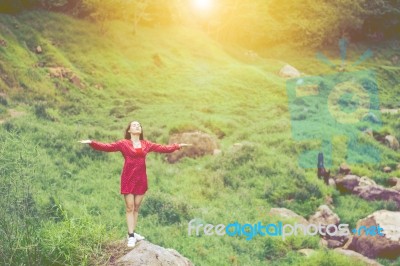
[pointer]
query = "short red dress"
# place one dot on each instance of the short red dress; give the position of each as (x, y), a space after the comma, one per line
(134, 176)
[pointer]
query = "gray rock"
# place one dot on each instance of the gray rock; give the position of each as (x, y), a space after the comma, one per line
(146, 253)
(386, 246)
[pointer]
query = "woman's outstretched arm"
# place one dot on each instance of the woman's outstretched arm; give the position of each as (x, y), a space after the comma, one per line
(108, 147)
(166, 148)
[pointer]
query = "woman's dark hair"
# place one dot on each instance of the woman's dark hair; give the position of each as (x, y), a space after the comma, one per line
(128, 134)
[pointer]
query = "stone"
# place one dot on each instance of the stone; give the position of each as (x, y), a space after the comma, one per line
(324, 216)
(387, 169)
(334, 243)
(39, 49)
(392, 142)
(386, 246)
(347, 183)
(344, 169)
(146, 253)
(287, 71)
(203, 144)
(306, 252)
(377, 192)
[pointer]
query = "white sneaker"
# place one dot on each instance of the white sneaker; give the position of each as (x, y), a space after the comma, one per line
(131, 242)
(139, 237)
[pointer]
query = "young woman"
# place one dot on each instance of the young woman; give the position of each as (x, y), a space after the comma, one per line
(133, 178)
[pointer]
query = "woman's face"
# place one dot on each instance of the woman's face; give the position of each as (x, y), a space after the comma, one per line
(135, 128)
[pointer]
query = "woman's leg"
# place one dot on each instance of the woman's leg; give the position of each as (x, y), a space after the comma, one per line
(130, 219)
(137, 201)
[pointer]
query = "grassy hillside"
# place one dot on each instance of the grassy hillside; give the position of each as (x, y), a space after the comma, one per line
(172, 80)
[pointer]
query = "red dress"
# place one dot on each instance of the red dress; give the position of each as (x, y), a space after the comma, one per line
(133, 176)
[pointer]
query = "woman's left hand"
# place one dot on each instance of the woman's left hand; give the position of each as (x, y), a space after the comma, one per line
(185, 145)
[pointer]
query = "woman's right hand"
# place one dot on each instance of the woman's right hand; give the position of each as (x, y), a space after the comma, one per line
(86, 141)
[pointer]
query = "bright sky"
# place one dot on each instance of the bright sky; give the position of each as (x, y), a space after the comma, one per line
(203, 5)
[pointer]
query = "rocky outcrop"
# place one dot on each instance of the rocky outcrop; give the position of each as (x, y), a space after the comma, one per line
(203, 144)
(287, 71)
(146, 253)
(325, 216)
(367, 189)
(373, 246)
(392, 142)
(357, 256)
(62, 72)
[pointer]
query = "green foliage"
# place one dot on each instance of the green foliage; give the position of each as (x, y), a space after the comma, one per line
(20, 217)
(72, 241)
(167, 209)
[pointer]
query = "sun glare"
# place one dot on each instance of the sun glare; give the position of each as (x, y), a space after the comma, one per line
(203, 5)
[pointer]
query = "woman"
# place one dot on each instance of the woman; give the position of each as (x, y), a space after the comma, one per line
(133, 178)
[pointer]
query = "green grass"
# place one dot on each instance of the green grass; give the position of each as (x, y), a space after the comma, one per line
(202, 85)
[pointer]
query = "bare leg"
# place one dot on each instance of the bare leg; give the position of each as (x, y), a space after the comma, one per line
(130, 219)
(137, 201)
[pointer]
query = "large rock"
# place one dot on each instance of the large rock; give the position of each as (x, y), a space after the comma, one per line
(324, 216)
(146, 253)
(286, 213)
(377, 192)
(344, 169)
(347, 183)
(287, 71)
(357, 256)
(203, 144)
(392, 142)
(372, 246)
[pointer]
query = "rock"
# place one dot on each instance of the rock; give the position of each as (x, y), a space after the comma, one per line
(146, 253)
(393, 181)
(76, 81)
(39, 49)
(306, 252)
(203, 144)
(286, 213)
(387, 169)
(344, 169)
(369, 132)
(59, 72)
(387, 246)
(287, 71)
(324, 216)
(323, 242)
(357, 256)
(328, 200)
(392, 142)
(3, 43)
(347, 183)
(376, 192)
(334, 243)
(331, 182)
(348, 243)
(217, 152)
(365, 181)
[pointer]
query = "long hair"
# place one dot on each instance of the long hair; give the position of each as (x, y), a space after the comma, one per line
(128, 134)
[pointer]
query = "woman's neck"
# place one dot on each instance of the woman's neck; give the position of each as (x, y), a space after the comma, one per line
(135, 137)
